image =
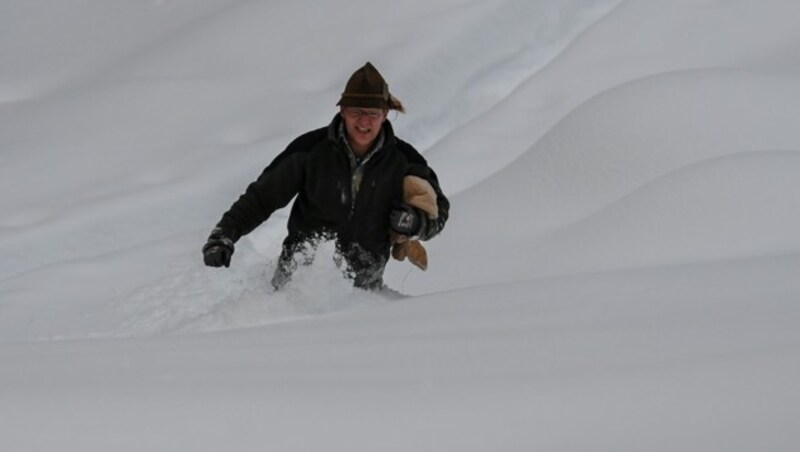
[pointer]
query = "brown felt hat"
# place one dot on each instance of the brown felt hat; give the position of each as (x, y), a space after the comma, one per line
(367, 89)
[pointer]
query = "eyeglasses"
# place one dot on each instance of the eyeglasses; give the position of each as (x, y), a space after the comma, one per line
(356, 113)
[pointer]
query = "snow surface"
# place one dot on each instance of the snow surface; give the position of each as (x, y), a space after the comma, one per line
(621, 271)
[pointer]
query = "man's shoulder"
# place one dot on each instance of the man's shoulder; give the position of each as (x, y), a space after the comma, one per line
(308, 140)
(300, 147)
(411, 154)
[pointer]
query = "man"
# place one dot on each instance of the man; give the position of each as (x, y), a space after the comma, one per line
(348, 182)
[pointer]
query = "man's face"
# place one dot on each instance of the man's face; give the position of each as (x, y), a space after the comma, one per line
(362, 125)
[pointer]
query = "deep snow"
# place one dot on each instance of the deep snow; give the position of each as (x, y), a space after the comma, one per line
(620, 271)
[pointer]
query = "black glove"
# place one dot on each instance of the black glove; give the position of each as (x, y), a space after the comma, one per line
(218, 250)
(405, 220)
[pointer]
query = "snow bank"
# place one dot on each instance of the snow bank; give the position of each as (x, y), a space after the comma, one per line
(613, 147)
(655, 359)
(619, 272)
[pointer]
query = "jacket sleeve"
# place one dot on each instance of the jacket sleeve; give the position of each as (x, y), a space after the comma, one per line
(432, 227)
(274, 189)
(419, 167)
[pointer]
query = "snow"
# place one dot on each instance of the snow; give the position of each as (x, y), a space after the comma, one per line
(620, 271)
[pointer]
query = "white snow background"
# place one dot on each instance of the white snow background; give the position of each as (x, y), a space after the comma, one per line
(621, 271)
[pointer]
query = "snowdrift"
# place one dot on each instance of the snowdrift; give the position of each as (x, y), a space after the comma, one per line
(619, 272)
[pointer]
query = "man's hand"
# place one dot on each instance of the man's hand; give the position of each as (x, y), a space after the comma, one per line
(218, 250)
(405, 220)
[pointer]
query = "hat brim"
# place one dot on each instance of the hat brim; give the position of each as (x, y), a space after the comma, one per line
(363, 102)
